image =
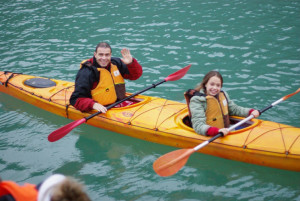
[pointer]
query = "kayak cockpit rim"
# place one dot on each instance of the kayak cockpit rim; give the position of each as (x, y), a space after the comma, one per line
(138, 100)
(183, 120)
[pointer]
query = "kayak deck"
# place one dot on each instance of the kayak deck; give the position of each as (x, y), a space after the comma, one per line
(164, 121)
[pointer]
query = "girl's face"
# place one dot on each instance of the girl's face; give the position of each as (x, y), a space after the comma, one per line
(213, 86)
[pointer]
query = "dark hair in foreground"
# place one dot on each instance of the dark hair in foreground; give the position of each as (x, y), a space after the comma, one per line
(103, 45)
(206, 78)
(69, 190)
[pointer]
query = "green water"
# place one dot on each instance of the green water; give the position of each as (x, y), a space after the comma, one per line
(254, 44)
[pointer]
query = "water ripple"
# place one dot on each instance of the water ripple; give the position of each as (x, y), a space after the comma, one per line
(254, 45)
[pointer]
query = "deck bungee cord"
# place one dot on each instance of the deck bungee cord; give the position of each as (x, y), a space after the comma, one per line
(163, 121)
(170, 163)
(61, 132)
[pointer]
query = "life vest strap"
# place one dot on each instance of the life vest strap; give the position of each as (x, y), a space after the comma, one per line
(188, 95)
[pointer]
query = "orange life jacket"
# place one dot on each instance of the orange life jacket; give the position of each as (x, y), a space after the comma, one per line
(216, 109)
(111, 86)
(27, 192)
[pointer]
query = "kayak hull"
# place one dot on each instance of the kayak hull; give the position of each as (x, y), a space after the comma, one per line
(161, 121)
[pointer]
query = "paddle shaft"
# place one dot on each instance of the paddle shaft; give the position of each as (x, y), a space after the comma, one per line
(172, 162)
(173, 77)
(127, 98)
(236, 125)
(61, 132)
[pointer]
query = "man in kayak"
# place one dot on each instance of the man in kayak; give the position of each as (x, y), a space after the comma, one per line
(100, 80)
(56, 187)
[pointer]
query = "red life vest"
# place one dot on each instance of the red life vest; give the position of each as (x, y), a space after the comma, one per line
(26, 192)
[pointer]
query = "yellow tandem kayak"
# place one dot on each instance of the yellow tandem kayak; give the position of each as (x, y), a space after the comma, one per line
(164, 121)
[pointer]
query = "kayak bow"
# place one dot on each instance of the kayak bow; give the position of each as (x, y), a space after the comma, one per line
(163, 121)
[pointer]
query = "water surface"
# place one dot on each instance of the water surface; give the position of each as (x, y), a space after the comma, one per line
(254, 44)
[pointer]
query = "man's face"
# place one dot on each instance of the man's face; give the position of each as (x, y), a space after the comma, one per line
(103, 56)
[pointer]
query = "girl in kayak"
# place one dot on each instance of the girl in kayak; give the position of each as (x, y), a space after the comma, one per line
(211, 107)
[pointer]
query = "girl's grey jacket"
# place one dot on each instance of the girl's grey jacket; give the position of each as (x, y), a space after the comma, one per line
(198, 108)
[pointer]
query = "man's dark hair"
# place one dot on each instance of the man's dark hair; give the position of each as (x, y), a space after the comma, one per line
(103, 45)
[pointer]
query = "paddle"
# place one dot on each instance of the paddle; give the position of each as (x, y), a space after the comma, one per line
(172, 162)
(61, 132)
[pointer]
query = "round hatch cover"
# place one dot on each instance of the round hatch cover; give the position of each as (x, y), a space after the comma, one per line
(39, 82)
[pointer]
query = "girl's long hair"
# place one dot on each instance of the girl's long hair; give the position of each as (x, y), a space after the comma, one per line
(206, 78)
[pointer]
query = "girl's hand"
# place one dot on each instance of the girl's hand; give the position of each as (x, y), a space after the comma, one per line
(255, 113)
(225, 131)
